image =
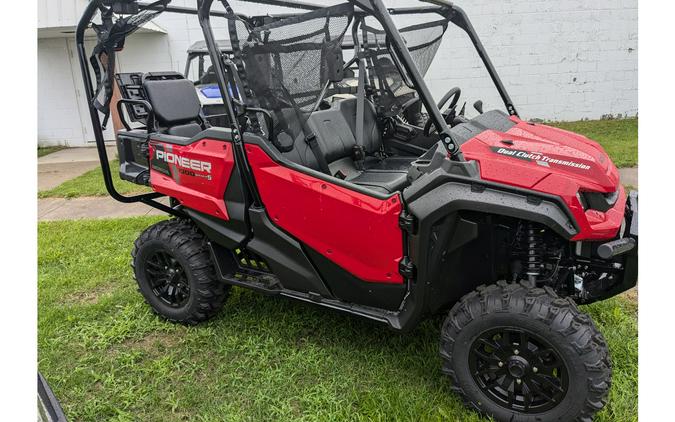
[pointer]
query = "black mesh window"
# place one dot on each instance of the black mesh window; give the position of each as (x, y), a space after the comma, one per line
(390, 91)
(423, 42)
(289, 62)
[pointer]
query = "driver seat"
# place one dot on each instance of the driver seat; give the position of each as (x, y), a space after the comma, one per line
(335, 129)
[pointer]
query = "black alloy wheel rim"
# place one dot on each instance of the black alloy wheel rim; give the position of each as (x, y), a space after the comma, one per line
(518, 370)
(167, 279)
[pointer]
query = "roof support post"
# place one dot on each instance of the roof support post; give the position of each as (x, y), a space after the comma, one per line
(397, 42)
(204, 8)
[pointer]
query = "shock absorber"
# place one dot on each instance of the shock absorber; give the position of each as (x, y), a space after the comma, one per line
(535, 252)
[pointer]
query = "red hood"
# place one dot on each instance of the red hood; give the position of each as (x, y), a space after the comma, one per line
(534, 156)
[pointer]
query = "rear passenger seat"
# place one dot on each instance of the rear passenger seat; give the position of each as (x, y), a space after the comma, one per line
(335, 129)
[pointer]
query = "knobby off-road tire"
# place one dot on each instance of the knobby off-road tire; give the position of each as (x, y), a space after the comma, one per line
(175, 272)
(539, 314)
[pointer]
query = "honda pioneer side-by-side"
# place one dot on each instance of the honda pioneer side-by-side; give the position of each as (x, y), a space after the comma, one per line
(334, 178)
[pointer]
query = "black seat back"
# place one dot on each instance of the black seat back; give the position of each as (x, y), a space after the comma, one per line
(335, 130)
(176, 106)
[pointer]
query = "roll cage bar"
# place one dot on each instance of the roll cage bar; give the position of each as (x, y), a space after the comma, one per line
(375, 8)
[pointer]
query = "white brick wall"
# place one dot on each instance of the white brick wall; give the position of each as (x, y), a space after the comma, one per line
(58, 114)
(559, 59)
(570, 59)
(63, 116)
(59, 13)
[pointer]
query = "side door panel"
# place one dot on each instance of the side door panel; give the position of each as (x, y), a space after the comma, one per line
(359, 233)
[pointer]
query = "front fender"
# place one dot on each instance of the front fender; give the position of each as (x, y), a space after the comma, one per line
(454, 196)
(444, 200)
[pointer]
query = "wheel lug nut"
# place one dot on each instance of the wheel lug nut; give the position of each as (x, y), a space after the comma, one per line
(500, 364)
(515, 352)
(518, 381)
(535, 369)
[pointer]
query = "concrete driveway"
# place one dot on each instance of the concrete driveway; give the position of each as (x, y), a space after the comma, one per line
(59, 166)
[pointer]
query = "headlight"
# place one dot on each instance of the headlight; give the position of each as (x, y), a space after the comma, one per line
(597, 200)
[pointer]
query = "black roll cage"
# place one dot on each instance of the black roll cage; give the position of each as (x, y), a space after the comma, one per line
(375, 8)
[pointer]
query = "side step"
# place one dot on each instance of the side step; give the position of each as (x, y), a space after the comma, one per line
(267, 283)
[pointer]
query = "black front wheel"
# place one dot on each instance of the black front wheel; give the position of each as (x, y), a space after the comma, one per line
(175, 272)
(520, 353)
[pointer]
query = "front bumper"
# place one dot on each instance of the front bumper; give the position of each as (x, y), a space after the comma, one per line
(628, 261)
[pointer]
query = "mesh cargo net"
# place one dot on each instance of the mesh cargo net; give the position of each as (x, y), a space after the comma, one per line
(390, 91)
(288, 64)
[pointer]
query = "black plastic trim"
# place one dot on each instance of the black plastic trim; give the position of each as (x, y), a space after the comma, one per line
(348, 288)
(520, 199)
(446, 200)
(237, 203)
(284, 255)
(224, 264)
(457, 196)
(633, 206)
(217, 230)
(629, 260)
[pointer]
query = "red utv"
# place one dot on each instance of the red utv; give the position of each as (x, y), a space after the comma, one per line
(337, 180)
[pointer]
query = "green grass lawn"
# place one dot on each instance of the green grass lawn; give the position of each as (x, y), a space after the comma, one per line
(618, 137)
(42, 151)
(91, 184)
(108, 357)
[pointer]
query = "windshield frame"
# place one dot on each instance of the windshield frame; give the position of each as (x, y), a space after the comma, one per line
(381, 13)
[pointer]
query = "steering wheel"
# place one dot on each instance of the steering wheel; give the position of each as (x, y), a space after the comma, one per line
(448, 114)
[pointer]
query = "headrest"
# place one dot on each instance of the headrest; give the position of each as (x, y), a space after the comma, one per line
(174, 101)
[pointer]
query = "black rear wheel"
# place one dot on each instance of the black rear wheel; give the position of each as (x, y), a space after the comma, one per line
(175, 273)
(519, 353)
(167, 279)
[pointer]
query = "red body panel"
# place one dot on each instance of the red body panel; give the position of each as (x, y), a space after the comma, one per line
(196, 174)
(361, 233)
(553, 161)
(355, 231)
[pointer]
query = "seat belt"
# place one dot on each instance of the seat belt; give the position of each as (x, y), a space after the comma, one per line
(359, 150)
(310, 137)
(316, 150)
